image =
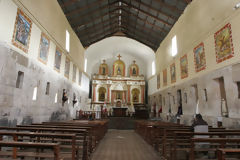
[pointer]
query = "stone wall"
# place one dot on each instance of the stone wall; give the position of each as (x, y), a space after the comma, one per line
(209, 102)
(16, 104)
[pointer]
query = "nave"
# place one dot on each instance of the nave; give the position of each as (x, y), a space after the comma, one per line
(124, 145)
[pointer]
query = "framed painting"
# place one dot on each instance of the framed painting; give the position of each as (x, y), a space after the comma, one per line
(223, 43)
(158, 81)
(165, 77)
(43, 48)
(57, 62)
(22, 31)
(199, 57)
(184, 66)
(67, 67)
(74, 73)
(80, 77)
(173, 73)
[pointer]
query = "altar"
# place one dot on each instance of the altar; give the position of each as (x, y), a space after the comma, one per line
(123, 86)
(119, 111)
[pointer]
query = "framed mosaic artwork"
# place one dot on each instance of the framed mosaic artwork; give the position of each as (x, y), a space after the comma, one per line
(165, 77)
(184, 66)
(199, 57)
(67, 67)
(223, 43)
(158, 81)
(57, 61)
(43, 48)
(22, 31)
(173, 73)
(74, 73)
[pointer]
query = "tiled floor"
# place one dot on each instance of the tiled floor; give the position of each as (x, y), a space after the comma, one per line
(124, 145)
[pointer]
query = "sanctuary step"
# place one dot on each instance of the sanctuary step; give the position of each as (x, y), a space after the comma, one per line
(123, 123)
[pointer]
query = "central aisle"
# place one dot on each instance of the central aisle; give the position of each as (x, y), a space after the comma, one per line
(124, 145)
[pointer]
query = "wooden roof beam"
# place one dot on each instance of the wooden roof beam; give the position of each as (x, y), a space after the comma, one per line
(102, 37)
(92, 32)
(156, 35)
(77, 10)
(153, 47)
(139, 34)
(151, 7)
(150, 15)
(155, 26)
(74, 26)
(93, 27)
(172, 8)
(108, 27)
(73, 20)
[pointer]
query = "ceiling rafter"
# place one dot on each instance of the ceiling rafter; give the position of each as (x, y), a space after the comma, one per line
(147, 44)
(66, 4)
(155, 26)
(95, 18)
(142, 31)
(137, 19)
(172, 8)
(142, 27)
(105, 26)
(137, 33)
(77, 10)
(102, 37)
(73, 20)
(150, 15)
(151, 7)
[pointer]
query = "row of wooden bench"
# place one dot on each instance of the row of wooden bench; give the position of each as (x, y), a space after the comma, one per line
(73, 140)
(175, 141)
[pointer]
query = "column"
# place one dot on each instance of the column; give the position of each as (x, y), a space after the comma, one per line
(94, 92)
(142, 91)
(108, 92)
(128, 93)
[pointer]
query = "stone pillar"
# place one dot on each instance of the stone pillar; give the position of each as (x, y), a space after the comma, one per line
(94, 92)
(112, 97)
(128, 87)
(108, 92)
(142, 91)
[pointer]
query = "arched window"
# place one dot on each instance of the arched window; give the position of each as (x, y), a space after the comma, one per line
(101, 94)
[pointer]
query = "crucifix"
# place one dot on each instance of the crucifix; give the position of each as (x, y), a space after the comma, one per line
(119, 56)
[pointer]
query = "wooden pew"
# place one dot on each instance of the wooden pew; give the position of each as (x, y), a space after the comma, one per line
(80, 134)
(88, 131)
(41, 137)
(221, 152)
(182, 140)
(221, 141)
(14, 153)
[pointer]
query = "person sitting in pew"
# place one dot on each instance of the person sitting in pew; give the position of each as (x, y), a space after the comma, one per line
(198, 121)
(200, 125)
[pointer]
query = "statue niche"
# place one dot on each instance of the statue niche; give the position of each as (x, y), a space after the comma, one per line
(119, 67)
(135, 95)
(103, 68)
(134, 69)
(101, 94)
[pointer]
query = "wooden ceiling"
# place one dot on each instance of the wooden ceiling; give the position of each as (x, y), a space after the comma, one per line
(147, 21)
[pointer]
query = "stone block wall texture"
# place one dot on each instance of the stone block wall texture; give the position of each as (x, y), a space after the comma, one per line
(16, 104)
(209, 107)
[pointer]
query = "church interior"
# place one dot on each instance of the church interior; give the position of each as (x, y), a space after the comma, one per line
(120, 79)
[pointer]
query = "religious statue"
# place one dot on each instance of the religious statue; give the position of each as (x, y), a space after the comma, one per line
(64, 97)
(118, 71)
(104, 71)
(134, 71)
